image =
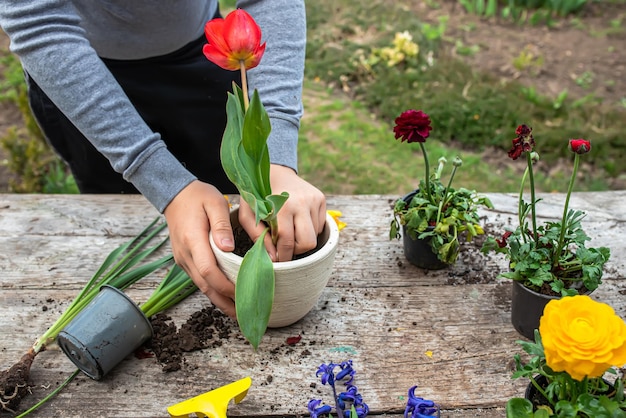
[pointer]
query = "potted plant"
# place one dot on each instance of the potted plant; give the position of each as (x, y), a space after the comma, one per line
(434, 216)
(263, 296)
(550, 260)
(579, 342)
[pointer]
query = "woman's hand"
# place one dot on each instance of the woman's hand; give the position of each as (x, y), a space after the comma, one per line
(196, 210)
(300, 220)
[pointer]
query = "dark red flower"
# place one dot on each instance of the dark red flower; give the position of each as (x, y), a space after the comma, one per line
(579, 146)
(523, 130)
(502, 241)
(516, 151)
(525, 142)
(412, 126)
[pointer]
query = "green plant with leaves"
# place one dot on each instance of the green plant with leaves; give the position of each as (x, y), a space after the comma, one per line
(174, 288)
(234, 43)
(35, 167)
(578, 342)
(551, 258)
(124, 266)
(437, 211)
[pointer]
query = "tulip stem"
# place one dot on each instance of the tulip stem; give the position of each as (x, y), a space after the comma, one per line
(244, 85)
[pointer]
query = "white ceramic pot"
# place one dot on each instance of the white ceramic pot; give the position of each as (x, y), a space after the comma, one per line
(298, 283)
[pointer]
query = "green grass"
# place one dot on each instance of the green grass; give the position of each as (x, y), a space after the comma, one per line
(347, 143)
(345, 149)
(352, 98)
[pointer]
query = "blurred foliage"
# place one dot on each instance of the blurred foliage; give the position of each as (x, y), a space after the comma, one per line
(468, 108)
(37, 169)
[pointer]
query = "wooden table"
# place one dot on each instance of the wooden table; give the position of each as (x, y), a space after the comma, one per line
(446, 331)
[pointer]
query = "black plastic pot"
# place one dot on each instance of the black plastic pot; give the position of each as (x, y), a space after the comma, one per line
(527, 308)
(104, 333)
(418, 251)
(537, 399)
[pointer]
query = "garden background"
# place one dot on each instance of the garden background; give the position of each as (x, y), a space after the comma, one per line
(479, 68)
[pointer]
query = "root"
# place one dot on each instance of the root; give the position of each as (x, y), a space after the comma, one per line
(14, 382)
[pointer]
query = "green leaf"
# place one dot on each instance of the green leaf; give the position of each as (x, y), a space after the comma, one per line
(256, 129)
(254, 292)
(237, 165)
(519, 408)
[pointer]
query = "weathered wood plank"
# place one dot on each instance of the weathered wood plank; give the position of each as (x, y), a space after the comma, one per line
(377, 310)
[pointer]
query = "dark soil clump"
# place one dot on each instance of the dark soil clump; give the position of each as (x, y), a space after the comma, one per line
(206, 328)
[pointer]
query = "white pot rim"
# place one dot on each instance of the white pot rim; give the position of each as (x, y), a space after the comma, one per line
(324, 251)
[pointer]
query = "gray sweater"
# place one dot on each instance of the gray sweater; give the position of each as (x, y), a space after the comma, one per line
(59, 43)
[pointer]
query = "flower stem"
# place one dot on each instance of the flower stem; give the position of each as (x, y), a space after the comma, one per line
(520, 200)
(427, 170)
(541, 390)
(570, 187)
(244, 85)
(533, 210)
(445, 194)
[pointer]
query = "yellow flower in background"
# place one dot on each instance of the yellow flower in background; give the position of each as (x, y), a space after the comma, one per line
(336, 215)
(582, 337)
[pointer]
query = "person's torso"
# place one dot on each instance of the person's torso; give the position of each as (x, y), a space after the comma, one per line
(122, 29)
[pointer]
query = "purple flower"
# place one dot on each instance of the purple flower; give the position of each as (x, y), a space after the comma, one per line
(417, 407)
(351, 398)
(346, 371)
(316, 410)
(344, 401)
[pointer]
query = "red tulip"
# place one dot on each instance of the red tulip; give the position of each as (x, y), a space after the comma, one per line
(234, 41)
(579, 146)
(412, 126)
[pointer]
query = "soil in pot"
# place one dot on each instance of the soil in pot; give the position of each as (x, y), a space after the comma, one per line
(299, 282)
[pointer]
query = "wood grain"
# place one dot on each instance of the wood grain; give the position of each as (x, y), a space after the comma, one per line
(378, 310)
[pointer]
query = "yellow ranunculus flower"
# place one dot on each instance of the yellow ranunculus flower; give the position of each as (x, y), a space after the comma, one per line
(582, 337)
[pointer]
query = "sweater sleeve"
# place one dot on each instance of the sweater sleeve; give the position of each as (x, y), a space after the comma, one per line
(279, 76)
(53, 49)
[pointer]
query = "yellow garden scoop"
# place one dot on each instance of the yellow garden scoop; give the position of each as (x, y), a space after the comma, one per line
(212, 404)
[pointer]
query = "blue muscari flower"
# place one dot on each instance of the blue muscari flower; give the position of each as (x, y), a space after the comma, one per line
(350, 398)
(328, 376)
(420, 407)
(346, 370)
(316, 410)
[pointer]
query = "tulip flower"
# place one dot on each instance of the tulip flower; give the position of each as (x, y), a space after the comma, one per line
(234, 44)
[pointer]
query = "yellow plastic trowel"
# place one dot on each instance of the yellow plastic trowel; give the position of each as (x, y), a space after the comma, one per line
(212, 404)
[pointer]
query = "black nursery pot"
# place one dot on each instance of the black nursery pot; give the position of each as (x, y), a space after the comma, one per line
(537, 399)
(105, 332)
(418, 251)
(527, 308)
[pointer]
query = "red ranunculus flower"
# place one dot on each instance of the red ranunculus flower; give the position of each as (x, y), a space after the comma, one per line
(579, 146)
(503, 241)
(517, 149)
(234, 41)
(525, 142)
(412, 126)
